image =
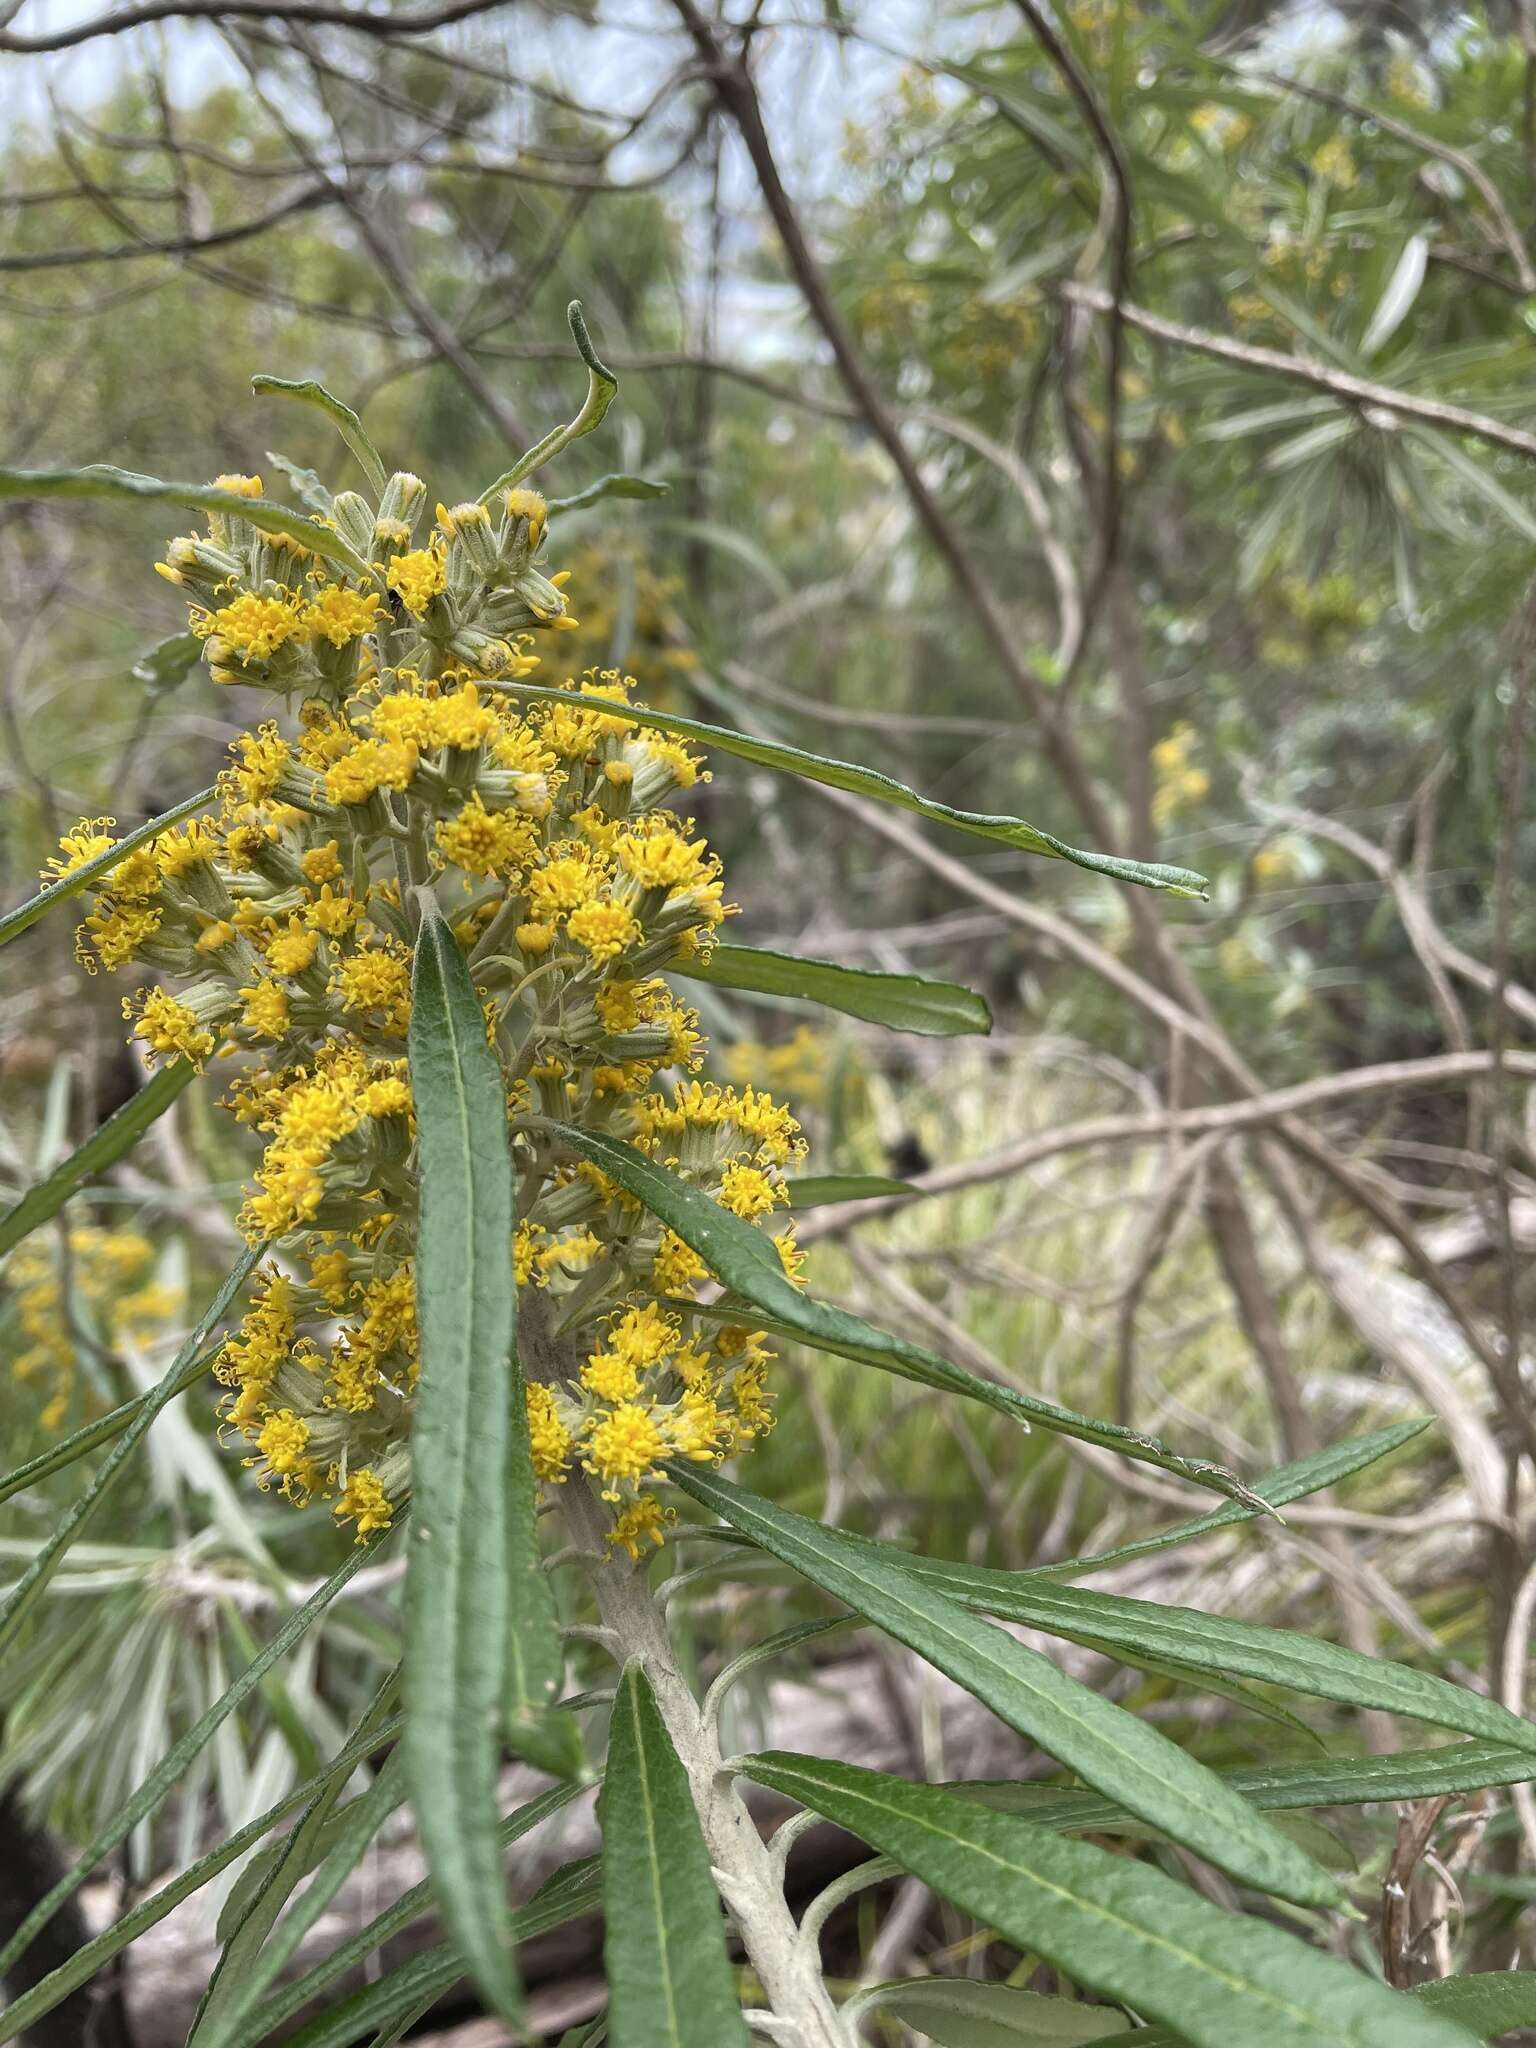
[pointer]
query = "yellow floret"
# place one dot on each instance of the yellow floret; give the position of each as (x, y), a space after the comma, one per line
(418, 577)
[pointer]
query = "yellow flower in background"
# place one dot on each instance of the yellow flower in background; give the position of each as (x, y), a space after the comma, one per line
(96, 1289)
(1335, 161)
(1180, 783)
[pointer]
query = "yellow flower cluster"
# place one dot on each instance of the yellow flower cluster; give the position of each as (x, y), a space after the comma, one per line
(1180, 781)
(96, 1290)
(281, 923)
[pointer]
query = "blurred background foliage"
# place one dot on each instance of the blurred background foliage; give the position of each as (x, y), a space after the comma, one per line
(1296, 678)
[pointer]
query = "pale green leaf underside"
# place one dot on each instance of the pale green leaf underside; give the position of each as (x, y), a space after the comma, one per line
(955, 2012)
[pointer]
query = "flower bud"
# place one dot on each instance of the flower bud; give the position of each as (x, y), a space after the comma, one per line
(354, 521)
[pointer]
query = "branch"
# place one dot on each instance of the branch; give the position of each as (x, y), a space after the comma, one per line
(1382, 398)
(1391, 1077)
(179, 245)
(319, 13)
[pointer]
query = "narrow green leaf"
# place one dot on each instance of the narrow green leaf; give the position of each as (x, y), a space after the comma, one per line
(19, 1601)
(1396, 302)
(457, 1611)
(345, 420)
(869, 782)
(744, 1258)
(955, 2012)
(101, 480)
(302, 1991)
(413, 1986)
(901, 1002)
(1295, 1481)
(616, 485)
(168, 663)
(254, 1971)
(247, 1961)
(315, 493)
(1280, 1788)
(1117, 1925)
(49, 1991)
(669, 1980)
(1489, 2003)
(171, 1767)
(815, 1190)
(107, 1144)
(534, 1660)
(602, 390)
(1109, 1749)
(1213, 1642)
(25, 914)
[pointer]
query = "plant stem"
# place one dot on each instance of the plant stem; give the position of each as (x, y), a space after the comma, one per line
(744, 1869)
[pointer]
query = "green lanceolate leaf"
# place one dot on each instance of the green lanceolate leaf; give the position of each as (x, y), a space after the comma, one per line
(534, 1662)
(1119, 1926)
(28, 1589)
(148, 1796)
(1277, 1489)
(1110, 1749)
(1278, 1788)
(315, 493)
(411, 1987)
(100, 480)
(117, 1136)
(901, 1002)
(669, 1981)
(869, 782)
(254, 1971)
(84, 877)
(456, 1592)
(955, 2012)
(43, 1996)
(815, 1190)
(744, 1258)
(615, 485)
(249, 1960)
(168, 663)
(1214, 1643)
(1488, 2003)
(345, 420)
(410, 1906)
(602, 390)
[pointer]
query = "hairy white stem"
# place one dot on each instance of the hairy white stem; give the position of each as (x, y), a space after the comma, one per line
(744, 1868)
